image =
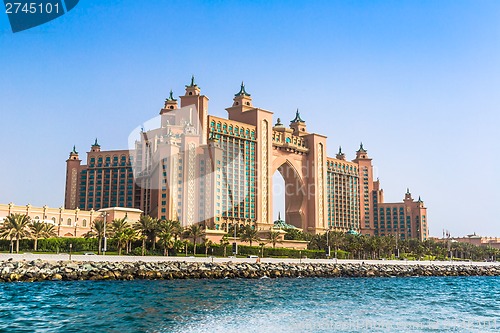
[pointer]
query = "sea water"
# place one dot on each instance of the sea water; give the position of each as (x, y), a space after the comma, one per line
(421, 304)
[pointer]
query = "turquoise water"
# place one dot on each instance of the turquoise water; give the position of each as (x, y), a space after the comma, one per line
(433, 304)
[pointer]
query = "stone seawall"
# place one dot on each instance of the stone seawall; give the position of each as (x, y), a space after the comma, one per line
(38, 270)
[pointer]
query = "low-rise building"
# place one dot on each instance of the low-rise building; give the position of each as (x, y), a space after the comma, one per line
(69, 222)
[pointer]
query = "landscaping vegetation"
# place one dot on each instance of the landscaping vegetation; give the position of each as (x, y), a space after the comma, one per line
(150, 236)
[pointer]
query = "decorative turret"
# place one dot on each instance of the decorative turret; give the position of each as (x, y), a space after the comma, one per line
(170, 103)
(242, 97)
(95, 147)
(340, 154)
(74, 154)
(297, 118)
(192, 88)
(361, 153)
(408, 196)
(298, 124)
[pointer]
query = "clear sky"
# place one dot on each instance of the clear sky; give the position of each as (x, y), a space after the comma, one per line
(416, 81)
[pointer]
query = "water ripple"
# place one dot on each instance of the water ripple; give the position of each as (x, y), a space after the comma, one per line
(426, 304)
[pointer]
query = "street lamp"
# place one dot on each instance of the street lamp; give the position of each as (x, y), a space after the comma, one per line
(397, 249)
(104, 245)
(327, 250)
(235, 246)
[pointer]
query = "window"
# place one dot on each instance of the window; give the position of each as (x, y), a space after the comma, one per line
(69, 221)
(84, 223)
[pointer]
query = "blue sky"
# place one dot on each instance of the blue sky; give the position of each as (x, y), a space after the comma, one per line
(416, 81)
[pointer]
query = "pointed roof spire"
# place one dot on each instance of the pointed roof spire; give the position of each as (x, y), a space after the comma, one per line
(279, 216)
(192, 84)
(407, 190)
(171, 96)
(242, 91)
(361, 148)
(297, 117)
(419, 199)
(95, 143)
(74, 150)
(340, 154)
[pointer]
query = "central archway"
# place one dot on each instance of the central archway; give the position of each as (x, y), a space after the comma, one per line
(293, 192)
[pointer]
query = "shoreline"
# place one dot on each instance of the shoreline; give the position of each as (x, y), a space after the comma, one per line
(31, 270)
(125, 259)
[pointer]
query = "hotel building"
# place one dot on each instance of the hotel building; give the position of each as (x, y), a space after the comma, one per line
(199, 168)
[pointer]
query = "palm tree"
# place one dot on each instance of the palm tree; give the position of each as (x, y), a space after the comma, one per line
(262, 244)
(166, 231)
(50, 231)
(337, 239)
(118, 227)
(146, 227)
(176, 229)
(130, 235)
(37, 229)
(18, 225)
(249, 234)
(274, 237)
(166, 240)
(97, 231)
(207, 244)
(6, 232)
(224, 242)
(193, 231)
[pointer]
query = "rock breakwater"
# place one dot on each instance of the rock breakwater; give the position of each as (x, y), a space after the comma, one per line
(38, 270)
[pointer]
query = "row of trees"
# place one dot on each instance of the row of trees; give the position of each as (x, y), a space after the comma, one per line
(167, 235)
(19, 226)
(374, 247)
(250, 235)
(148, 230)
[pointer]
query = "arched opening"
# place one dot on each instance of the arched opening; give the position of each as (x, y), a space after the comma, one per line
(278, 196)
(288, 196)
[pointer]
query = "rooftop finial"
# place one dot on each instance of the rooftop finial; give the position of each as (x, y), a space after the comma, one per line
(297, 117)
(361, 148)
(340, 154)
(407, 190)
(95, 143)
(278, 122)
(192, 81)
(242, 91)
(279, 216)
(74, 150)
(171, 96)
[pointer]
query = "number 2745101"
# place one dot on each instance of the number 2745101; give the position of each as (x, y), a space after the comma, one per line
(31, 8)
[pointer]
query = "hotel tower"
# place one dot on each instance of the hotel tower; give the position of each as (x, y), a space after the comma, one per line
(198, 168)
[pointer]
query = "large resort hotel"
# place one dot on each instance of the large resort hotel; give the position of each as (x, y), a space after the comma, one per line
(197, 168)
